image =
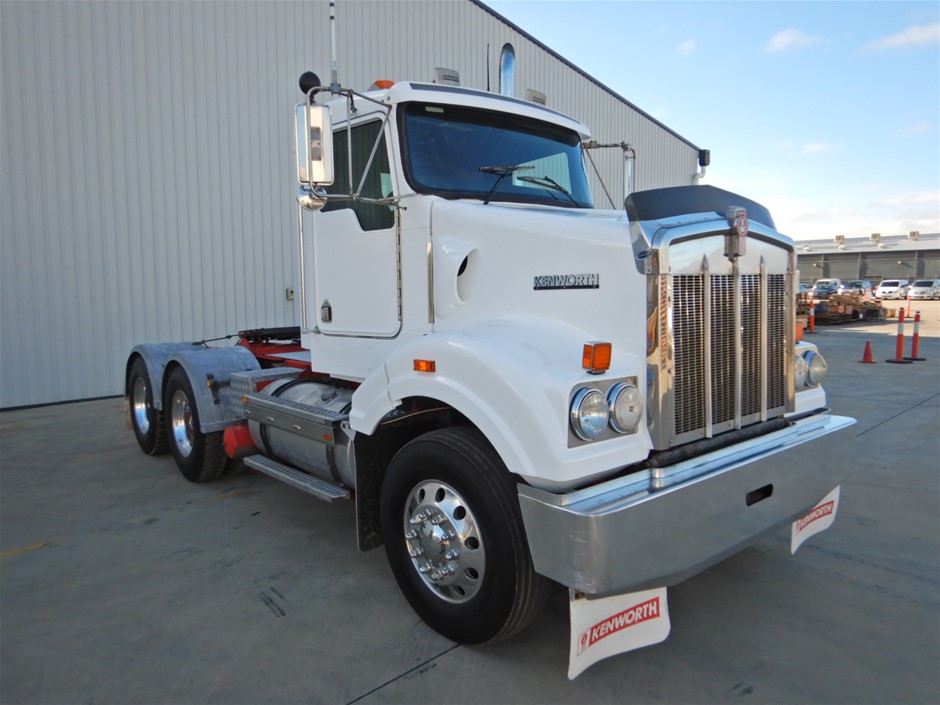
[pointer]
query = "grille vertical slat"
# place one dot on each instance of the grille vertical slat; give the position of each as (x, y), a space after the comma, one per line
(689, 355)
(751, 350)
(776, 341)
(722, 326)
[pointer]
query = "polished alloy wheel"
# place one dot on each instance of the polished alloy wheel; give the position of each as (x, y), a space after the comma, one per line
(442, 537)
(181, 423)
(139, 406)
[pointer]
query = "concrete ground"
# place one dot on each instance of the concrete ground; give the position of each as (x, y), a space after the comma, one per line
(120, 582)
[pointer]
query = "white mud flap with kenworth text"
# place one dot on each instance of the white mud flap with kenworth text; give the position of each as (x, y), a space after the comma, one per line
(818, 519)
(613, 625)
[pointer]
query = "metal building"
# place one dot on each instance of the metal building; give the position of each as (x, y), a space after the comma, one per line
(146, 186)
(876, 257)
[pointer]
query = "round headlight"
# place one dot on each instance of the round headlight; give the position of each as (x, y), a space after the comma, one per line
(801, 370)
(589, 413)
(817, 368)
(626, 407)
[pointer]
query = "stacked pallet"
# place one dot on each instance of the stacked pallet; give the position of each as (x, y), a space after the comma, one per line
(840, 308)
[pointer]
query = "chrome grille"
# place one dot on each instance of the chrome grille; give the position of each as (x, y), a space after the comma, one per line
(729, 341)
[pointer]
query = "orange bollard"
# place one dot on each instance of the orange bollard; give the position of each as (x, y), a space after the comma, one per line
(915, 341)
(812, 315)
(899, 353)
(867, 358)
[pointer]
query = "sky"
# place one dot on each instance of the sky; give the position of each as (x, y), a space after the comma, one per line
(825, 112)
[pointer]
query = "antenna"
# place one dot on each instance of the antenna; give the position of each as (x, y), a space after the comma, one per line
(334, 81)
(487, 67)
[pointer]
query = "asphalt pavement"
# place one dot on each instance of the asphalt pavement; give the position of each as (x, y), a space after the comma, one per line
(121, 582)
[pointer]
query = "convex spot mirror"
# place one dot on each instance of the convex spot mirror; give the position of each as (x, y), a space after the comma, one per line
(314, 145)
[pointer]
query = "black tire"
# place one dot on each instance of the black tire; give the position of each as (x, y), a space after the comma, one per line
(448, 490)
(149, 424)
(199, 456)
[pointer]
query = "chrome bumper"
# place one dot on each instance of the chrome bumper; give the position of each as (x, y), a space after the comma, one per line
(658, 527)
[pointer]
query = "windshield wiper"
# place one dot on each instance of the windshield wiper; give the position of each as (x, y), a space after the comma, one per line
(547, 182)
(502, 172)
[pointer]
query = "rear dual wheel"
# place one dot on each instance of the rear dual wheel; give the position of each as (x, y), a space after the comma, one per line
(199, 456)
(148, 423)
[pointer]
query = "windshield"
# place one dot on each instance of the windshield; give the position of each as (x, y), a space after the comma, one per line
(925, 282)
(460, 152)
(890, 282)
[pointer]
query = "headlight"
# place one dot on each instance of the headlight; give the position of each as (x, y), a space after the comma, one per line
(626, 407)
(589, 413)
(817, 368)
(802, 371)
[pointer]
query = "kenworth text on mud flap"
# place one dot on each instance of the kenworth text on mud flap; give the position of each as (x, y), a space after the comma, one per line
(517, 390)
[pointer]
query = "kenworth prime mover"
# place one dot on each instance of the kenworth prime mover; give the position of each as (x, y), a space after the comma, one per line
(516, 389)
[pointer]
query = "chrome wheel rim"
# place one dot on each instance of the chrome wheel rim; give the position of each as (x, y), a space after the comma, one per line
(139, 405)
(442, 536)
(181, 423)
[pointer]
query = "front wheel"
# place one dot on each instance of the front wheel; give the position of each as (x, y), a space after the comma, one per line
(455, 540)
(199, 456)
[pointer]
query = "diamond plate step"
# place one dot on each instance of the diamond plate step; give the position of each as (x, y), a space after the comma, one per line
(321, 489)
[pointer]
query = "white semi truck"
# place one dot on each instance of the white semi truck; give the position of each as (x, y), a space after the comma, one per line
(516, 389)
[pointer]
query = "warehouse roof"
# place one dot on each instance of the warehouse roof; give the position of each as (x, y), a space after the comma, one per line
(873, 243)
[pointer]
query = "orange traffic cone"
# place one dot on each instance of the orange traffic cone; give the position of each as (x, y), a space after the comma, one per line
(867, 358)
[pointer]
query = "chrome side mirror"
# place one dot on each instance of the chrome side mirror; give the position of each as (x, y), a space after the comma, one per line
(314, 145)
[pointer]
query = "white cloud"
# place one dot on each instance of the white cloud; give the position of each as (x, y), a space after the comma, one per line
(893, 215)
(818, 148)
(912, 36)
(920, 128)
(790, 39)
(687, 47)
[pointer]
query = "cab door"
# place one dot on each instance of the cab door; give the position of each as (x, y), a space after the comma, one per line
(356, 265)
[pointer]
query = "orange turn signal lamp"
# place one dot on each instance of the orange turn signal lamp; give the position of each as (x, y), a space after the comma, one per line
(425, 366)
(596, 357)
(383, 83)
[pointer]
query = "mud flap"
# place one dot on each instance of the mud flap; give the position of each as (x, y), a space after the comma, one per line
(613, 625)
(818, 519)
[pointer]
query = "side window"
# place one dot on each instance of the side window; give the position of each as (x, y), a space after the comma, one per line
(378, 183)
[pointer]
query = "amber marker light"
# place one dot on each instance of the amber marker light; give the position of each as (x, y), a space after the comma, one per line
(425, 366)
(596, 357)
(383, 83)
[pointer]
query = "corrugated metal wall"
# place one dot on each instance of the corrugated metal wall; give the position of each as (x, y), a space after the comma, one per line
(146, 186)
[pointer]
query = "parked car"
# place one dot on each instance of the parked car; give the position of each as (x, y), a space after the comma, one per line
(925, 289)
(860, 287)
(826, 287)
(892, 289)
